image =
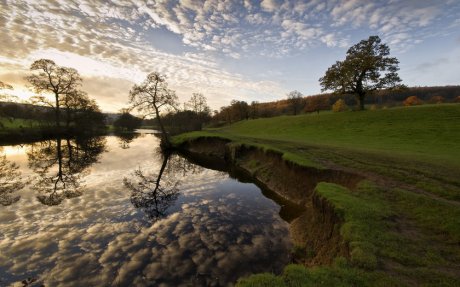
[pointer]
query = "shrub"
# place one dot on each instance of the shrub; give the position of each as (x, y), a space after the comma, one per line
(437, 99)
(412, 101)
(339, 106)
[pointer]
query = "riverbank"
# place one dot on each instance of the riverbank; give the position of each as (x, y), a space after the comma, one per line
(17, 131)
(392, 221)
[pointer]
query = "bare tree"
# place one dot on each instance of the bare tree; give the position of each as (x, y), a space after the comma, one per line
(5, 86)
(10, 181)
(60, 165)
(296, 101)
(150, 97)
(154, 194)
(61, 82)
(198, 104)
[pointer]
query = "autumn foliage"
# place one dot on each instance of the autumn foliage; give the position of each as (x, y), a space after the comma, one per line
(339, 106)
(412, 101)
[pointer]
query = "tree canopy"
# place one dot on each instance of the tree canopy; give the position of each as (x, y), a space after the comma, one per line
(51, 78)
(296, 101)
(367, 67)
(126, 121)
(64, 84)
(150, 97)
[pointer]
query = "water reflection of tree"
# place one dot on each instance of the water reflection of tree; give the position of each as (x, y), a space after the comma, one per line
(124, 139)
(181, 166)
(154, 193)
(60, 165)
(10, 181)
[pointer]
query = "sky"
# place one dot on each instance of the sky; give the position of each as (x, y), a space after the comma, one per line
(243, 50)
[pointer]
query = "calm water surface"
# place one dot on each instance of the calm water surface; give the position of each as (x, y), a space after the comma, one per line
(111, 211)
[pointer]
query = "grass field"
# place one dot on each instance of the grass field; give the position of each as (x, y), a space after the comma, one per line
(16, 127)
(16, 124)
(402, 222)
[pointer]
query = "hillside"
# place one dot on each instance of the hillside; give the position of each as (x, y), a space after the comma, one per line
(430, 131)
(402, 221)
(385, 98)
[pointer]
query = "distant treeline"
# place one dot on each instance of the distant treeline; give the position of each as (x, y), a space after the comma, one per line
(186, 120)
(16, 110)
(26, 111)
(240, 110)
(82, 119)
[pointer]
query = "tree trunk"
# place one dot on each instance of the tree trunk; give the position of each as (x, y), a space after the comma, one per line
(163, 167)
(361, 96)
(67, 123)
(165, 143)
(57, 114)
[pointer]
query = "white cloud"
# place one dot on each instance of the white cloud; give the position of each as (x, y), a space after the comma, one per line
(100, 239)
(270, 5)
(113, 39)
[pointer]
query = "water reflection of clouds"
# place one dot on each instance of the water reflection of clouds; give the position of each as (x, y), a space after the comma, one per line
(218, 230)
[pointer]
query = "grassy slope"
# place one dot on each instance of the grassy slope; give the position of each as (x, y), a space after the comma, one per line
(403, 223)
(15, 127)
(430, 132)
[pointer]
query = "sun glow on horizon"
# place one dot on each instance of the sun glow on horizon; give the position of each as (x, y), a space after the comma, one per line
(19, 94)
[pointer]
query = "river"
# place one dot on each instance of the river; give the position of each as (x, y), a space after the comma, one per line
(113, 211)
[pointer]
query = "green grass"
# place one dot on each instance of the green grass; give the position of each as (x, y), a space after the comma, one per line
(430, 132)
(17, 124)
(402, 223)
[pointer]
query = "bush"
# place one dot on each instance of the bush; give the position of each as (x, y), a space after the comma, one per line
(437, 100)
(412, 101)
(339, 106)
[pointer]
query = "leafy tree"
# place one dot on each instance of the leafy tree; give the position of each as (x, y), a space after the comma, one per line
(316, 103)
(82, 111)
(62, 82)
(412, 101)
(183, 121)
(239, 110)
(437, 99)
(296, 101)
(367, 67)
(126, 121)
(339, 106)
(150, 97)
(254, 113)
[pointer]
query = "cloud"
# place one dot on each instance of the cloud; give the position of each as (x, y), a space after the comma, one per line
(270, 5)
(116, 39)
(111, 93)
(103, 46)
(216, 224)
(428, 66)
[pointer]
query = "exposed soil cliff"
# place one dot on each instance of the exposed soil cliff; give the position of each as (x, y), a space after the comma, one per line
(315, 229)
